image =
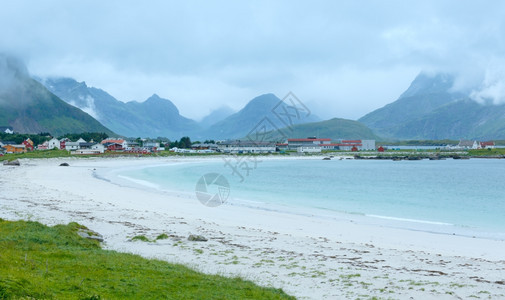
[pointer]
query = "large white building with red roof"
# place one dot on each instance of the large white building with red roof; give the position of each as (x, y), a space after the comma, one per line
(308, 142)
(327, 144)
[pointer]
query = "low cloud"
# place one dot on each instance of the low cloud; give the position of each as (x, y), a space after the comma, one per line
(492, 88)
(342, 58)
(87, 105)
(12, 70)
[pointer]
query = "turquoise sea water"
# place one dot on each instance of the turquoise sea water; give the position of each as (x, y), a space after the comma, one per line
(462, 196)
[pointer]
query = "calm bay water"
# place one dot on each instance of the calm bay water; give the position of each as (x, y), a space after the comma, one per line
(464, 196)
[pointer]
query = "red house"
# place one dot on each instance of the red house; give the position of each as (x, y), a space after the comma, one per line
(28, 144)
(114, 146)
(380, 149)
(487, 145)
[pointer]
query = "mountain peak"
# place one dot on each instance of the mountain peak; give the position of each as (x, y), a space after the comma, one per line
(265, 100)
(156, 104)
(426, 83)
(154, 97)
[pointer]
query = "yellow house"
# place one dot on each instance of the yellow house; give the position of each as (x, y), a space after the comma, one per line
(15, 148)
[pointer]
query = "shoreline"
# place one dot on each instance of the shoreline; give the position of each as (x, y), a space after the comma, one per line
(388, 221)
(307, 257)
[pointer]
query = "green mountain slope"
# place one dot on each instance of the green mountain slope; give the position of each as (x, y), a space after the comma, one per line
(430, 109)
(152, 118)
(424, 95)
(29, 107)
(465, 119)
(335, 129)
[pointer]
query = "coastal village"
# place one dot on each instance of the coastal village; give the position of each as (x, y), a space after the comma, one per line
(144, 146)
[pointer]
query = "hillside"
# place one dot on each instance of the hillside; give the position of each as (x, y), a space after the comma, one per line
(430, 109)
(461, 119)
(152, 118)
(258, 112)
(216, 115)
(29, 107)
(335, 129)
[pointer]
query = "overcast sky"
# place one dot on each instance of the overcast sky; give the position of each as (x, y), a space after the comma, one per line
(341, 58)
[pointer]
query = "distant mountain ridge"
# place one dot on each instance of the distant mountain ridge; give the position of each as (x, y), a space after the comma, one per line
(29, 107)
(154, 117)
(431, 109)
(265, 111)
(334, 129)
(160, 117)
(216, 115)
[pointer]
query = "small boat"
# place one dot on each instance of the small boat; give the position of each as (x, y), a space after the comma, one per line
(327, 158)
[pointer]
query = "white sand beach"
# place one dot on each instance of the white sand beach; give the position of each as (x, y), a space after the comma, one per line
(310, 258)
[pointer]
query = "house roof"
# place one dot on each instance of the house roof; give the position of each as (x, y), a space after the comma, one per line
(248, 143)
(309, 140)
(351, 141)
(465, 143)
(489, 143)
(110, 144)
(342, 144)
(117, 141)
(204, 145)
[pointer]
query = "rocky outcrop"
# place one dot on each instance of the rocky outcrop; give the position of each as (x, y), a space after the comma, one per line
(197, 238)
(12, 163)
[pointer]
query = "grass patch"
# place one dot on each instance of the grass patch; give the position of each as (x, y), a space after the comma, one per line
(162, 236)
(142, 238)
(43, 262)
(36, 154)
(350, 276)
(487, 152)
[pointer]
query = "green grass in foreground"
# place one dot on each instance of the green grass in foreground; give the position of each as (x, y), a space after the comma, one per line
(36, 154)
(487, 152)
(43, 262)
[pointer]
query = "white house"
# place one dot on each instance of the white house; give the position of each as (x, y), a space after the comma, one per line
(81, 140)
(246, 147)
(151, 144)
(309, 149)
(53, 143)
(6, 129)
(84, 152)
(98, 147)
(71, 146)
(464, 144)
(308, 142)
(43, 146)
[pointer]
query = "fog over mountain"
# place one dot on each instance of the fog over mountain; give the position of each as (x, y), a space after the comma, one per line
(432, 108)
(29, 107)
(341, 58)
(153, 117)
